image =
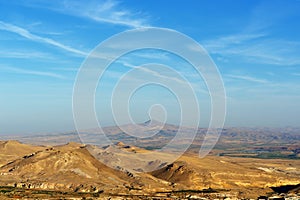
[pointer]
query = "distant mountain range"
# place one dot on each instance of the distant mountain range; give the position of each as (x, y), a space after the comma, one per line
(242, 142)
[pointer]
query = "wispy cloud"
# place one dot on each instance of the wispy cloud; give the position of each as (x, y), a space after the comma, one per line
(257, 48)
(152, 55)
(247, 78)
(154, 73)
(103, 11)
(26, 34)
(66, 69)
(258, 41)
(216, 44)
(24, 54)
(277, 11)
(109, 14)
(33, 72)
(184, 80)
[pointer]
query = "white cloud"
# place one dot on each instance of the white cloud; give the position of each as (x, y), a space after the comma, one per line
(184, 79)
(247, 78)
(153, 55)
(24, 54)
(103, 11)
(33, 72)
(216, 44)
(257, 48)
(155, 73)
(25, 33)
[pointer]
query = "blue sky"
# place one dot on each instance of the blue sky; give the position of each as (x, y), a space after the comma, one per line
(255, 44)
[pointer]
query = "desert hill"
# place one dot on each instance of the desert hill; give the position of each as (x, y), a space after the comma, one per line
(181, 172)
(112, 169)
(242, 175)
(12, 149)
(68, 167)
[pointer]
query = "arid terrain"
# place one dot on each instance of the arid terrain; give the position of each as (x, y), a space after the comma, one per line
(59, 166)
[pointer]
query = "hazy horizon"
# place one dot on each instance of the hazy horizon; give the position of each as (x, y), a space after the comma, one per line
(23, 133)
